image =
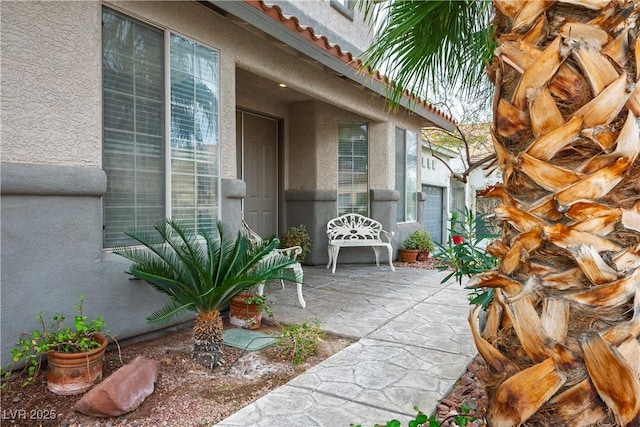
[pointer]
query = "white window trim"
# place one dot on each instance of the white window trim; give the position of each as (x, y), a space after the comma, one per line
(167, 105)
(405, 163)
(368, 163)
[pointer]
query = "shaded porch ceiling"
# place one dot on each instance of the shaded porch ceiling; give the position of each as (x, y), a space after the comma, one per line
(269, 23)
(249, 84)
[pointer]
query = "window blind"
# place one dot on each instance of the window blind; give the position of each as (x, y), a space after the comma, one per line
(133, 135)
(353, 168)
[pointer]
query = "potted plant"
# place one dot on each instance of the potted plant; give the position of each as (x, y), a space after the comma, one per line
(246, 310)
(297, 236)
(74, 354)
(456, 232)
(409, 249)
(201, 273)
(424, 243)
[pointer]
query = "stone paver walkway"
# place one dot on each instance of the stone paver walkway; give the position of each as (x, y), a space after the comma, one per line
(413, 344)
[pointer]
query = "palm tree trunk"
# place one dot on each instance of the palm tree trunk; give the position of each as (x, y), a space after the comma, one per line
(207, 338)
(566, 317)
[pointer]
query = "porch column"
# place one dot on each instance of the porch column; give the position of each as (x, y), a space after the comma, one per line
(313, 209)
(384, 210)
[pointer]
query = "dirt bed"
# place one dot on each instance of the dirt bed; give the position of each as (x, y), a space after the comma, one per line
(195, 396)
(184, 391)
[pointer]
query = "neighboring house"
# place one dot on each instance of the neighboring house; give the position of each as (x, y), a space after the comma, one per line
(437, 187)
(445, 194)
(117, 114)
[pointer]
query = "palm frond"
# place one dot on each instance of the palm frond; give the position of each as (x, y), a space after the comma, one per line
(201, 274)
(426, 45)
(169, 312)
(182, 243)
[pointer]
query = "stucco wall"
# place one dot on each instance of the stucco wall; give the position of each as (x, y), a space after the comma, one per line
(51, 246)
(51, 91)
(351, 35)
(382, 154)
(51, 121)
(434, 172)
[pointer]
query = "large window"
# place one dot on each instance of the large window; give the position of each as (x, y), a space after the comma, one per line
(160, 144)
(406, 175)
(353, 166)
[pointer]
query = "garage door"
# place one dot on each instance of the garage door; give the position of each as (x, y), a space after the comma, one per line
(433, 219)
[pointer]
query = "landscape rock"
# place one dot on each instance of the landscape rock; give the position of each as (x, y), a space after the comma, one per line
(122, 392)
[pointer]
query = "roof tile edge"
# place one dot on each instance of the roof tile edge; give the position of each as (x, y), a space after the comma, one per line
(293, 24)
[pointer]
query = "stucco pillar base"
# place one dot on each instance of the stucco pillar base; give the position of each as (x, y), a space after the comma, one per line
(233, 191)
(313, 209)
(383, 209)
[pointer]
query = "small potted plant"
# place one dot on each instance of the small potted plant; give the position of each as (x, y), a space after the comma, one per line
(456, 232)
(424, 243)
(74, 354)
(409, 249)
(297, 236)
(246, 310)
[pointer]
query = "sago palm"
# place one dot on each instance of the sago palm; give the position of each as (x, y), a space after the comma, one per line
(201, 273)
(561, 338)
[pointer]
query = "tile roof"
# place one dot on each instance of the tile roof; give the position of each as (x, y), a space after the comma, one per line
(308, 33)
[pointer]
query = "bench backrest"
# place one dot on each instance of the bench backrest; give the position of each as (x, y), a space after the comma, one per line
(353, 227)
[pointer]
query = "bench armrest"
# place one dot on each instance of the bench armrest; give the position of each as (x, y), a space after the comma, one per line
(291, 252)
(388, 234)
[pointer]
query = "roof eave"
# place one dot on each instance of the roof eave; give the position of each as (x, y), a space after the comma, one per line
(251, 12)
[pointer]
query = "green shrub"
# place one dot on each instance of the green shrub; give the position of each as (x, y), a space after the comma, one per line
(80, 338)
(298, 342)
(297, 236)
(423, 240)
(420, 240)
(468, 258)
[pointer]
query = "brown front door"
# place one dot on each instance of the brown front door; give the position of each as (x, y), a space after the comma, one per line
(258, 138)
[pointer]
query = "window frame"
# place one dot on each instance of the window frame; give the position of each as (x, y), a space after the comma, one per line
(167, 117)
(345, 7)
(409, 210)
(353, 208)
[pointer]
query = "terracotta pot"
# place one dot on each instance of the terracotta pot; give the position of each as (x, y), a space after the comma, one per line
(243, 314)
(75, 373)
(423, 255)
(408, 255)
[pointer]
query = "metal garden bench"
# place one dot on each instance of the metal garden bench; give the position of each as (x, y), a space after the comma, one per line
(355, 230)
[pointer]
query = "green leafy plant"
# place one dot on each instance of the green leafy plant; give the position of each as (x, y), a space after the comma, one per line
(468, 258)
(264, 304)
(298, 342)
(422, 240)
(423, 420)
(297, 236)
(410, 243)
(201, 273)
(32, 346)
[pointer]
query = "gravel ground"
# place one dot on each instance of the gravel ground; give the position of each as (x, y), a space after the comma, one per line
(184, 391)
(198, 397)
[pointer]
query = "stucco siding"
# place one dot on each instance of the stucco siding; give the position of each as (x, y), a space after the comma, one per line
(351, 35)
(303, 148)
(52, 251)
(51, 88)
(382, 155)
(434, 172)
(53, 182)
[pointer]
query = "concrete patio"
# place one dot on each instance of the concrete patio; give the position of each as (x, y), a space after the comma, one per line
(413, 343)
